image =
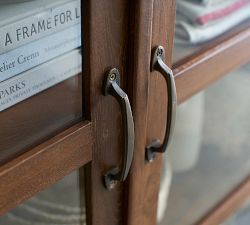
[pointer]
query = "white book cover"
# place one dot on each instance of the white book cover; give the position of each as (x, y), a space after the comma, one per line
(28, 56)
(22, 23)
(39, 79)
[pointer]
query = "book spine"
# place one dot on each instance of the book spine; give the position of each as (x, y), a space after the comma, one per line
(39, 79)
(39, 25)
(38, 52)
(212, 2)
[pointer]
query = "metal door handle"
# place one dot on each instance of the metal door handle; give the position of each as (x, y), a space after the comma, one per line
(111, 87)
(157, 64)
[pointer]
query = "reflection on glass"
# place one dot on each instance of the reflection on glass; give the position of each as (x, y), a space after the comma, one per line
(59, 204)
(40, 72)
(200, 21)
(210, 153)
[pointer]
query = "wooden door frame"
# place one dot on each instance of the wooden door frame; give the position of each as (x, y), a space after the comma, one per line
(48, 162)
(106, 24)
(95, 142)
(122, 36)
(39, 168)
(152, 25)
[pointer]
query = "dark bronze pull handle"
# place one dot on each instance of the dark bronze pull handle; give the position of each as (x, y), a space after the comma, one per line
(157, 64)
(116, 174)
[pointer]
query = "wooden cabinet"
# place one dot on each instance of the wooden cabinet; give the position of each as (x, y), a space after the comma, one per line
(93, 139)
(192, 73)
(123, 35)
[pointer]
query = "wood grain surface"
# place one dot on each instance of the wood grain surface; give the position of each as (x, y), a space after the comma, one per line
(106, 44)
(139, 71)
(44, 165)
(153, 25)
(162, 34)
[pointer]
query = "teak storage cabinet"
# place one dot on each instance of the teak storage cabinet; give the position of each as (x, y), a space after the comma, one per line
(122, 34)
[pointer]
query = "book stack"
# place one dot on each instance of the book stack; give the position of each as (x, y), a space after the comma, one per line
(39, 47)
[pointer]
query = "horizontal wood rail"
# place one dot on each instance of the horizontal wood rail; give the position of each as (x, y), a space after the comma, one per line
(44, 165)
(229, 205)
(197, 72)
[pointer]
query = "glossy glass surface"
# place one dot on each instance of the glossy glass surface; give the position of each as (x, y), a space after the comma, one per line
(210, 153)
(40, 79)
(63, 203)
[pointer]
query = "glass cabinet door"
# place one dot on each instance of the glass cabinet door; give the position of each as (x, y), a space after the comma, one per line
(40, 72)
(55, 116)
(210, 153)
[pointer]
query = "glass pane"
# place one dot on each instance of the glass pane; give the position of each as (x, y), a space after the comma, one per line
(241, 217)
(63, 203)
(40, 72)
(201, 23)
(210, 153)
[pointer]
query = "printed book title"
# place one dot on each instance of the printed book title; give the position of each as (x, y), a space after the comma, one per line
(40, 26)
